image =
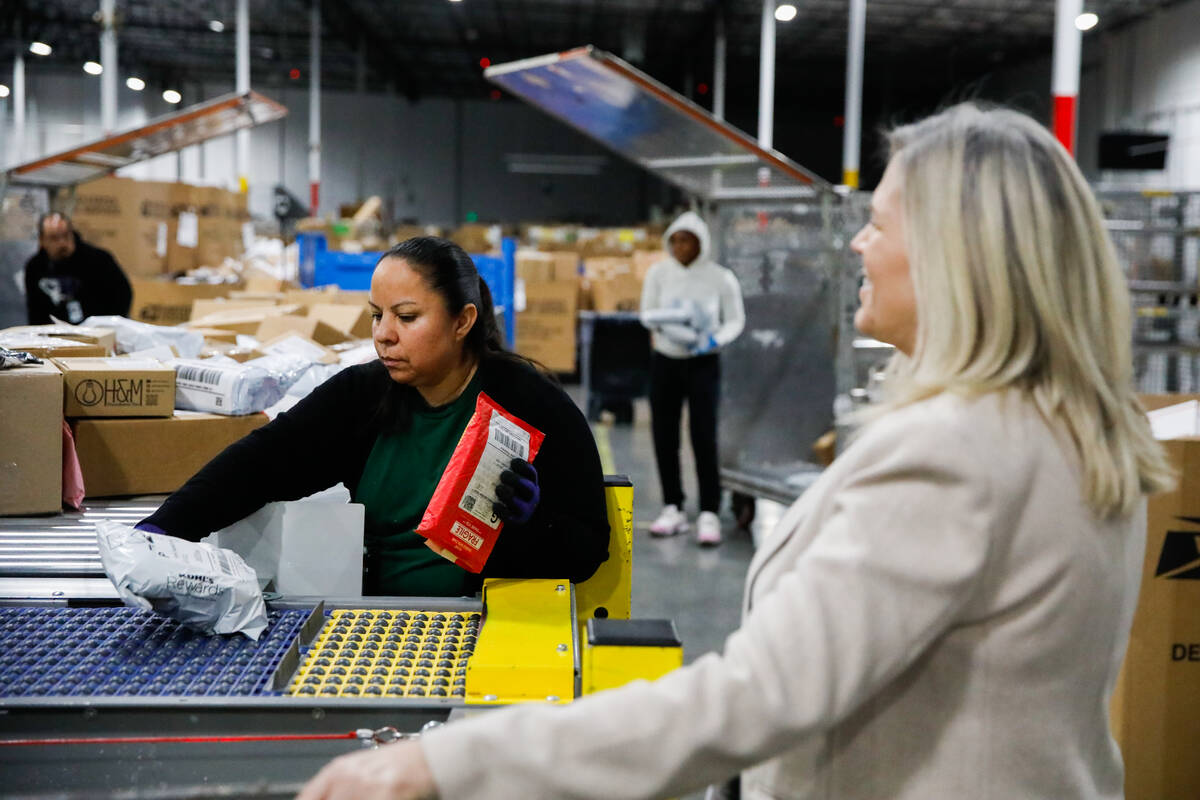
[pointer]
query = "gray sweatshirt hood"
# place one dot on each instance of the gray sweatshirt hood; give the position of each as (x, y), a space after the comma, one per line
(690, 221)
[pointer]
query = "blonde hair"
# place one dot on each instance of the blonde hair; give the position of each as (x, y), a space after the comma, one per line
(1013, 268)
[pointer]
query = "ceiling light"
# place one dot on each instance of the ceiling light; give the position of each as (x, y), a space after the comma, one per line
(137, 84)
(3, 90)
(785, 12)
(172, 96)
(216, 26)
(92, 68)
(1086, 21)
(40, 48)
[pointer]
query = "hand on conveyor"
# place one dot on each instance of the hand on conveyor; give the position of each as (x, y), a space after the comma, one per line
(517, 494)
(392, 772)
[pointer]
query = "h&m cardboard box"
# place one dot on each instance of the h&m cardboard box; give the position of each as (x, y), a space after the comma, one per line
(1156, 704)
(538, 265)
(49, 346)
(243, 320)
(31, 439)
(117, 387)
(153, 456)
(545, 329)
(163, 302)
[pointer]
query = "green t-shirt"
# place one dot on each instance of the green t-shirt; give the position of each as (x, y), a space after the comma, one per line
(397, 483)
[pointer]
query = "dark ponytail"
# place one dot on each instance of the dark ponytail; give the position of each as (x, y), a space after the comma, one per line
(448, 270)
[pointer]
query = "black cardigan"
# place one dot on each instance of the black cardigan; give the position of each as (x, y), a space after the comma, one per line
(326, 438)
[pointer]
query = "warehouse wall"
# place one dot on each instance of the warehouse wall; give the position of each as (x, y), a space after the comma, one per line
(1147, 78)
(418, 157)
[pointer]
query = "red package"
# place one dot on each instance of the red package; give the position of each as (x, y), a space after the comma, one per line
(459, 522)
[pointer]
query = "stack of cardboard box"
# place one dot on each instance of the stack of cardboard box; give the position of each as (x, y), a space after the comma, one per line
(153, 228)
(546, 325)
(1156, 705)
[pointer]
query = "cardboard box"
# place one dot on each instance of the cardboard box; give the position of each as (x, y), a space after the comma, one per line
(1156, 703)
(164, 302)
(31, 440)
(153, 456)
(545, 330)
(309, 327)
(540, 266)
(126, 218)
(49, 346)
(294, 344)
(104, 337)
(352, 320)
(219, 305)
(117, 387)
(621, 292)
(243, 320)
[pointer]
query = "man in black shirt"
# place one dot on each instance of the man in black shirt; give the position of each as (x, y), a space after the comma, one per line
(70, 279)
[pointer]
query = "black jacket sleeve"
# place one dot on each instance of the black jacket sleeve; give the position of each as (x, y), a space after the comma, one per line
(567, 536)
(37, 305)
(322, 440)
(109, 291)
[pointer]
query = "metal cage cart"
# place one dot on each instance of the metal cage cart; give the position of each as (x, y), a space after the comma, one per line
(776, 225)
(1157, 239)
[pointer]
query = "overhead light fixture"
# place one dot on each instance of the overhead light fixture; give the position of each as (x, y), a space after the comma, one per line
(455, 1)
(3, 90)
(137, 84)
(92, 68)
(216, 26)
(172, 96)
(40, 48)
(1086, 21)
(785, 12)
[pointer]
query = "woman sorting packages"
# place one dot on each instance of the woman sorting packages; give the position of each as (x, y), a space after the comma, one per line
(387, 430)
(943, 614)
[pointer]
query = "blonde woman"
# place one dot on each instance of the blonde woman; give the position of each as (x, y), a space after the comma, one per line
(944, 613)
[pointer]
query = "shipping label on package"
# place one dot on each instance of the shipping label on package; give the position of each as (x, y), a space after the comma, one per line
(460, 522)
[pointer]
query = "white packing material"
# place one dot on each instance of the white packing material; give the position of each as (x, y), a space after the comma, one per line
(217, 387)
(207, 588)
(133, 336)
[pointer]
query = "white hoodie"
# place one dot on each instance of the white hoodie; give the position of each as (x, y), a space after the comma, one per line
(708, 289)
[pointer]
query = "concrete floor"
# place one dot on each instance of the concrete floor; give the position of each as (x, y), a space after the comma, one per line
(674, 578)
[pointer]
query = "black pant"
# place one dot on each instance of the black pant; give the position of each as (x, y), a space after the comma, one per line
(698, 380)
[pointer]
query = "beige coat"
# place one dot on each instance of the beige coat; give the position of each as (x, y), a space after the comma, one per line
(939, 616)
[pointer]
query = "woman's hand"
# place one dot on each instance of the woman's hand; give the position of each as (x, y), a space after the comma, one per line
(392, 772)
(517, 494)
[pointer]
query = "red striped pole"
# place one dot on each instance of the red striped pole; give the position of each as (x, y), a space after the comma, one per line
(1065, 80)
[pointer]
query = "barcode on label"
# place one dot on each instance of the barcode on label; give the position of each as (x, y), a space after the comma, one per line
(199, 375)
(509, 443)
(223, 560)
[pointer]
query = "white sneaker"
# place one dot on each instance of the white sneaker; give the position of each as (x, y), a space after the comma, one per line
(708, 529)
(670, 522)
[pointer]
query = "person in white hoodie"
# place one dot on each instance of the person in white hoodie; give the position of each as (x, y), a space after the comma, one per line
(693, 308)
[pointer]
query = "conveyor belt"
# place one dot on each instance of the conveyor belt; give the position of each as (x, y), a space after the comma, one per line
(63, 546)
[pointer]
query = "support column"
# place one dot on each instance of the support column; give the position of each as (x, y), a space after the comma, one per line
(719, 65)
(852, 120)
(1065, 87)
(242, 139)
(108, 62)
(18, 96)
(314, 110)
(766, 77)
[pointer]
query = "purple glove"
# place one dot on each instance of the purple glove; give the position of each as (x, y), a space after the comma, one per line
(517, 494)
(149, 527)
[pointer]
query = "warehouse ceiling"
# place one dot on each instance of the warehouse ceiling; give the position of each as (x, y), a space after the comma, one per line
(423, 48)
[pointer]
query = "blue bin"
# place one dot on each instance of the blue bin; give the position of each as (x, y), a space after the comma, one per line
(352, 271)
